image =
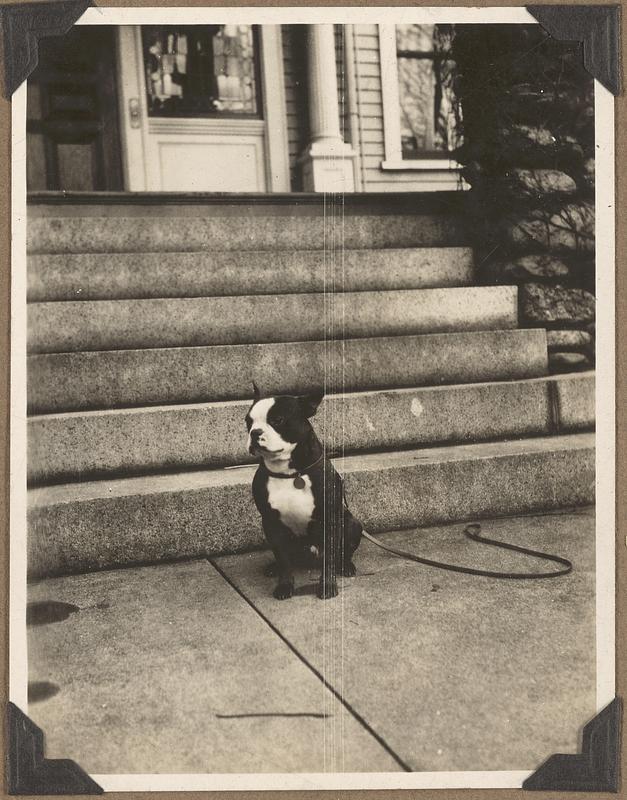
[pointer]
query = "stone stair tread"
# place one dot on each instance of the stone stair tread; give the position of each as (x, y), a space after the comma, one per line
(190, 480)
(61, 327)
(101, 524)
(106, 379)
(101, 276)
(88, 444)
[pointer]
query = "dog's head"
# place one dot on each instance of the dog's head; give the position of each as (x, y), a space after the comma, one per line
(277, 424)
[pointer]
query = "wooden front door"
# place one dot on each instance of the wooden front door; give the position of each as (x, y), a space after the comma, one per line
(203, 108)
(73, 136)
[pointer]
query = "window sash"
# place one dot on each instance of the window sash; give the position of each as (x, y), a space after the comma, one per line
(391, 108)
(205, 95)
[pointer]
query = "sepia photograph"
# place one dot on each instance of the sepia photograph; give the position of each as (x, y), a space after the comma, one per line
(310, 316)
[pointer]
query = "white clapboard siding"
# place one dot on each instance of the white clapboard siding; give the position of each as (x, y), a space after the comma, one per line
(370, 147)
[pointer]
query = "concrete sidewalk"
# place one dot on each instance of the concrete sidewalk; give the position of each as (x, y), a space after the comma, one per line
(194, 667)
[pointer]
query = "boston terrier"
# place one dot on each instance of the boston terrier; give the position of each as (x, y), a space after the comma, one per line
(298, 492)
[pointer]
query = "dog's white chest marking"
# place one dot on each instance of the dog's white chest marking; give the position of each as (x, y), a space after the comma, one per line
(295, 506)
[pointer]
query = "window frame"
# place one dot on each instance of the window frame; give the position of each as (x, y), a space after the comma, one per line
(394, 160)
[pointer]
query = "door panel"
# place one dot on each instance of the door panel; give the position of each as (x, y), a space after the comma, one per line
(73, 136)
(212, 163)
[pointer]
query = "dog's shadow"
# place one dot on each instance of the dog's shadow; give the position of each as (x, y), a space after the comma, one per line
(308, 589)
(270, 571)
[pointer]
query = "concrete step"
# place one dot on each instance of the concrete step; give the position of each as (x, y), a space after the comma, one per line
(114, 276)
(252, 319)
(79, 527)
(109, 379)
(244, 231)
(91, 444)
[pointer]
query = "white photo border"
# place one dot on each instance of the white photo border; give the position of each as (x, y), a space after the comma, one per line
(605, 400)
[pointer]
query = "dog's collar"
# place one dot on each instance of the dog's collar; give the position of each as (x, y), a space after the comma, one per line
(299, 483)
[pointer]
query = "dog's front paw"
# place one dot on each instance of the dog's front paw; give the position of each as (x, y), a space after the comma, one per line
(348, 570)
(327, 589)
(284, 590)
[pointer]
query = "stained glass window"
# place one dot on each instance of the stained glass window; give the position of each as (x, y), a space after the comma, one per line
(201, 70)
(426, 90)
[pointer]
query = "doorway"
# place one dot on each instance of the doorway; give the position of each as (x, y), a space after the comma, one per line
(197, 104)
(72, 129)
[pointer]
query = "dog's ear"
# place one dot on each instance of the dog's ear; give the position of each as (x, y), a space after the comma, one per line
(256, 392)
(309, 402)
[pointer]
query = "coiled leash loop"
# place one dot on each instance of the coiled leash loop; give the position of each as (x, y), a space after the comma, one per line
(473, 531)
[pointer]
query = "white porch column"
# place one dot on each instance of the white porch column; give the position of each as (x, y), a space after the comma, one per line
(328, 160)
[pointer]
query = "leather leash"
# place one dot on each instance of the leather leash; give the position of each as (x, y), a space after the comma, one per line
(473, 531)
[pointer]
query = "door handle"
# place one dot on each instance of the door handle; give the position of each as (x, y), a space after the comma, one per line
(134, 112)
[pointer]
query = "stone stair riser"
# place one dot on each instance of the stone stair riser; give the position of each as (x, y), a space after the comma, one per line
(108, 379)
(106, 524)
(80, 446)
(153, 234)
(253, 319)
(113, 276)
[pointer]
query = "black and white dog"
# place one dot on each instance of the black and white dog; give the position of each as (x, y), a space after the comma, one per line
(298, 492)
